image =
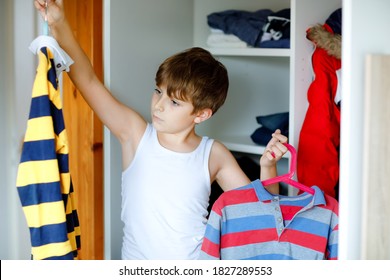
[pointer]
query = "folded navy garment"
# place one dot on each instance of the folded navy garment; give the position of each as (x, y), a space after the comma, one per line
(278, 26)
(269, 124)
(248, 26)
(262, 135)
(274, 121)
(282, 44)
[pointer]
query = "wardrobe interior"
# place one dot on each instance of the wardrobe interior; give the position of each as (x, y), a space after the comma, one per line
(263, 82)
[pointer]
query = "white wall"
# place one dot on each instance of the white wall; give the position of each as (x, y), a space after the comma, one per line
(131, 63)
(5, 127)
(17, 71)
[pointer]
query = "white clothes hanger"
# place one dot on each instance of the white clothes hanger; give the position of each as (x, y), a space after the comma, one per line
(61, 58)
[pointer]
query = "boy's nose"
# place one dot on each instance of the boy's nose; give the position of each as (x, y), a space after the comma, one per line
(158, 106)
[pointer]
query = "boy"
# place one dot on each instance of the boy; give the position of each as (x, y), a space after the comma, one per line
(167, 167)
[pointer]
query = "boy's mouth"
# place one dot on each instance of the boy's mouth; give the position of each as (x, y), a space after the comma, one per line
(156, 119)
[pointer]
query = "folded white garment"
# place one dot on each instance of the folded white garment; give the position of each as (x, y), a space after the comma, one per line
(216, 31)
(61, 58)
(225, 40)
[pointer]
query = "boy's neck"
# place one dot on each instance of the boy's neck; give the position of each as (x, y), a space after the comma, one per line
(183, 142)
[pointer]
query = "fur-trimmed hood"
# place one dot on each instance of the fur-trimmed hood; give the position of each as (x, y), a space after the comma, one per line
(328, 35)
(323, 37)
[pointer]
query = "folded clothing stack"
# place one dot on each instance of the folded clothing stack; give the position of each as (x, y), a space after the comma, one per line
(269, 123)
(262, 28)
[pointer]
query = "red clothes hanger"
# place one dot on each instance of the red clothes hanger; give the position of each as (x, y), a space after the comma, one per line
(287, 178)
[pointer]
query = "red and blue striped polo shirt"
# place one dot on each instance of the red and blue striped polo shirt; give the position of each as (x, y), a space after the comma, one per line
(251, 223)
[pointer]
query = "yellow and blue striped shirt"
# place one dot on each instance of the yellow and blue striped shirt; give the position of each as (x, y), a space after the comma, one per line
(43, 181)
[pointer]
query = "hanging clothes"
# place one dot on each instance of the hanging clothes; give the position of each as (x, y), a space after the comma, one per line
(43, 180)
(250, 223)
(319, 139)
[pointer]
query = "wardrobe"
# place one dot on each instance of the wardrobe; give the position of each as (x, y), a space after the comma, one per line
(140, 34)
(134, 46)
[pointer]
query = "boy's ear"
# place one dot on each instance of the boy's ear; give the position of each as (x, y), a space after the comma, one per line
(203, 115)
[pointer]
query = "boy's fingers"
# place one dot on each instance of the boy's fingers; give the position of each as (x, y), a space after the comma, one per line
(279, 137)
(281, 147)
(276, 151)
(38, 5)
(270, 156)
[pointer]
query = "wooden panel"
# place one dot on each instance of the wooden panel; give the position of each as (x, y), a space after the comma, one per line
(85, 130)
(376, 187)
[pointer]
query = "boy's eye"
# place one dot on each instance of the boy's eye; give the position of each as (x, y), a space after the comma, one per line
(175, 103)
(157, 91)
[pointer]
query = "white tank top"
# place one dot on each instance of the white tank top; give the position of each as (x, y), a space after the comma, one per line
(165, 196)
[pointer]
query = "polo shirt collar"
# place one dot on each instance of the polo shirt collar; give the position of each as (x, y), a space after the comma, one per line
(263, 195)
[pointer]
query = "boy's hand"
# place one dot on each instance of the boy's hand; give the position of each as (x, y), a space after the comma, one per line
(55, 10)
(274, 150)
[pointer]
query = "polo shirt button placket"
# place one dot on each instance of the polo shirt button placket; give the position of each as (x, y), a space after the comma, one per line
(279, 218)
(281, 227)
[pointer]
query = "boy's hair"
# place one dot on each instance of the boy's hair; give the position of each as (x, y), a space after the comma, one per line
(194, 75)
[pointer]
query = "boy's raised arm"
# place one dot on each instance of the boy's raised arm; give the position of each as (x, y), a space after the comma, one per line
(121, 120)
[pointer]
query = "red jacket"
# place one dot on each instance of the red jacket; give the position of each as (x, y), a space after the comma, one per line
(319, 141)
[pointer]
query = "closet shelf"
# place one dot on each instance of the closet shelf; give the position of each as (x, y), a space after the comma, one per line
(244, 145)
(250, 52)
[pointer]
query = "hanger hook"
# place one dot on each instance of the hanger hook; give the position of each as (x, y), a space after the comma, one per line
(45, 24)
(45, 10)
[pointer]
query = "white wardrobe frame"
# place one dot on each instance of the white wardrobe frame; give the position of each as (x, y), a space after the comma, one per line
(365, 24)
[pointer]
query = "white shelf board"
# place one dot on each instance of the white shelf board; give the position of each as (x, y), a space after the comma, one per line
(244, 145)
(273, 52)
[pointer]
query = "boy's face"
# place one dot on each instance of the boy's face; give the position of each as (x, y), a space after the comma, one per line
(171, 115)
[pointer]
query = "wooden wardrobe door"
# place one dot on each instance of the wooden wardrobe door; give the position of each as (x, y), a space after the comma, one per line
(85, 130)
(376, 154)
